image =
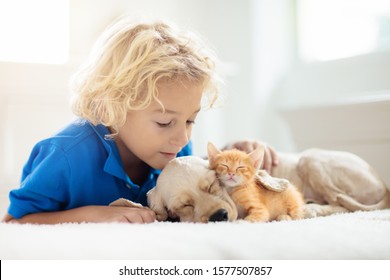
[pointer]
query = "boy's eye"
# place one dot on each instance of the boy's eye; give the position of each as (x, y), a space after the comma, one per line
(164, 124)
(190, 122)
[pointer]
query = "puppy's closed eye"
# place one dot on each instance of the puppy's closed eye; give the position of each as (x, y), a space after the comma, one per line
(185, 210)
(185, 204)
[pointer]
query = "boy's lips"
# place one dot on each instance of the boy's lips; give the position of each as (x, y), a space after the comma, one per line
(169, 155)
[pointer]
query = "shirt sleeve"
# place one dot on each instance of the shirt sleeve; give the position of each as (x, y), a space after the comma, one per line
(45, 182)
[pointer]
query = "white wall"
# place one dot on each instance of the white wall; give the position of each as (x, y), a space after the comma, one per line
(342, 105)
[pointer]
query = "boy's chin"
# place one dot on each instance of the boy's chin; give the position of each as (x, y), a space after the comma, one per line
(159, 165)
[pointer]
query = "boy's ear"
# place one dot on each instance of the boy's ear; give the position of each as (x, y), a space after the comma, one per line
(212, 152)
(257, 156)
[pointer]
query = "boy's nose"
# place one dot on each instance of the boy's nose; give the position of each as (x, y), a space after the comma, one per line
(180, 138)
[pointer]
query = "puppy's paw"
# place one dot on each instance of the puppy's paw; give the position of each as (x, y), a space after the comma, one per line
(315, 210)
(311, 211)
(161, 216)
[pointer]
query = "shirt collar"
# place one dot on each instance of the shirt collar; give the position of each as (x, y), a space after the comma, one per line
(114, 165)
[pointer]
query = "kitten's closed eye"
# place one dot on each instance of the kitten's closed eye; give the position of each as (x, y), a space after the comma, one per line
(242, 168)
(222, 167)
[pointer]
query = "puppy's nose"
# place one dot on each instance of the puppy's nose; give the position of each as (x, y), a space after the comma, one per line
(219, 216)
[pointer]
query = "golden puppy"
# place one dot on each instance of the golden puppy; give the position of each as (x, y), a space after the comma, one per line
(187, 190)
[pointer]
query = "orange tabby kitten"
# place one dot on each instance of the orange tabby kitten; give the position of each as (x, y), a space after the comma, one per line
(237, 171)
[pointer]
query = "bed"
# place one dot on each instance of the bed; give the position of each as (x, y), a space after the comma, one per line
(358, 235)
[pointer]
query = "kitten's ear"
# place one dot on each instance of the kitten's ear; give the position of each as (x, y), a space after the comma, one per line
(257, 156)
(212, 152)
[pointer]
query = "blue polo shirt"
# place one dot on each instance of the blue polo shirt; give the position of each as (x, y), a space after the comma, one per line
(74, 168)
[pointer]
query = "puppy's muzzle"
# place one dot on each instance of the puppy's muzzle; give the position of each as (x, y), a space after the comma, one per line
(220, 215)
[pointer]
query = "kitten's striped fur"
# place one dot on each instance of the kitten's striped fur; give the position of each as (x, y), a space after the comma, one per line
(236, 170)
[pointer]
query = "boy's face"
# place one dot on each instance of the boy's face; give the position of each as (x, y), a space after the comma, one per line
(154, 136)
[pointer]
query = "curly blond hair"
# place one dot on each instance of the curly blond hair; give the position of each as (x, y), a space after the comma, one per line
(127, 63)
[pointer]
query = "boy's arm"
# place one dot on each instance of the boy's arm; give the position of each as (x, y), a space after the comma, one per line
(93, 214)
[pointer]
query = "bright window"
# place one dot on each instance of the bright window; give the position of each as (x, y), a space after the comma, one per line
(333, 29)
(34, 31)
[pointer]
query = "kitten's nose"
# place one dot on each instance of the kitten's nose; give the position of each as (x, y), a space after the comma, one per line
(220, 215)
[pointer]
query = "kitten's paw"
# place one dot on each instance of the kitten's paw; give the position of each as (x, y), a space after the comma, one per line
(253, 219)
(284, 218)
(241, 221)
(297, 214)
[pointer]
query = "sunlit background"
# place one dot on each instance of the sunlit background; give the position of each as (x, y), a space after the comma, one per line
(298, 73)
(335, 29)
(34, 31)
(326, 30)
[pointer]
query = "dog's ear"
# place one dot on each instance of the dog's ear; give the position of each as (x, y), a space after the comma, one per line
(207, 180)
(212, 152)
(263, 179)
(156, 203)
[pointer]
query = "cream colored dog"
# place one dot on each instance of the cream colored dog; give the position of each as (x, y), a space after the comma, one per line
(334, 181)
(187, 190)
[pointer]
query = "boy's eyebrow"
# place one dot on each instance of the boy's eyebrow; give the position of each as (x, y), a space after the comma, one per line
(173, 112)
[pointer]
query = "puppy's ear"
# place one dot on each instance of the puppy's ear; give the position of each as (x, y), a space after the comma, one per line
(212, 152)
(210, 176)
(208, 180)
(257, 156)
(156, 203)
(271, 183)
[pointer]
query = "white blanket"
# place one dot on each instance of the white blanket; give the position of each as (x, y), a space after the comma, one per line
(359, 235)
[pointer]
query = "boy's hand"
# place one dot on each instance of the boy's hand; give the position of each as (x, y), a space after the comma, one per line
(122, 214)
(270, 155)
